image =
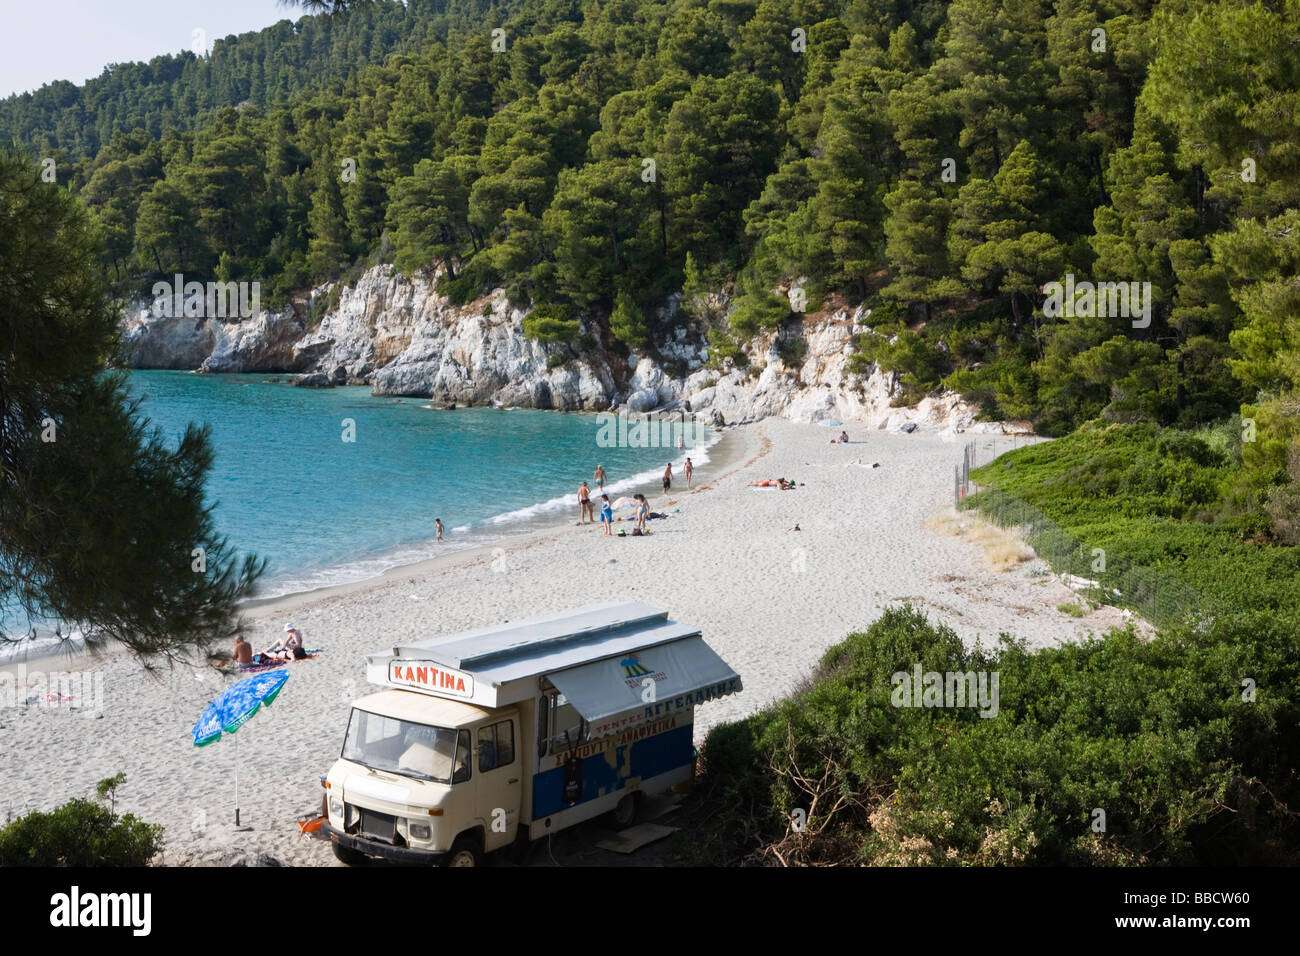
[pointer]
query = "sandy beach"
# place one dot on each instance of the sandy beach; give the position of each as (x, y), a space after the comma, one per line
(769, 599)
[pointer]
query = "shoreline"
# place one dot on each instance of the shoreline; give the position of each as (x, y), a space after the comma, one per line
(733, 445)
(730, 448)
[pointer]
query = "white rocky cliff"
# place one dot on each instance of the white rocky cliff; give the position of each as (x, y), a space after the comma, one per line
(398, 335)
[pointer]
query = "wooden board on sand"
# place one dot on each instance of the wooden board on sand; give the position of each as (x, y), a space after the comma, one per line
(633, 838)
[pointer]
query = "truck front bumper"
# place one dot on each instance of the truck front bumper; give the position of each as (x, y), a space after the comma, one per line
(399, 854)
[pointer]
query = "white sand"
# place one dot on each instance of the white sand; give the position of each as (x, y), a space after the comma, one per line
(769, 600)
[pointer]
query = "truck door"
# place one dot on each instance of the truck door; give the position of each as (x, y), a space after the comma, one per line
(500, 772)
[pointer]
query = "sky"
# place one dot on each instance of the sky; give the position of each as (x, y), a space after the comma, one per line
(44, 40)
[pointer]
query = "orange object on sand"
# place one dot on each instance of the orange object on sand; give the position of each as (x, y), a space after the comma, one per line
(311, 826)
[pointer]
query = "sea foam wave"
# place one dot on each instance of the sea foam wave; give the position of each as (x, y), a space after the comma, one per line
(493, 530)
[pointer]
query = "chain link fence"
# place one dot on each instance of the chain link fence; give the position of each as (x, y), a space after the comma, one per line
(962, 485)
(1097, 575)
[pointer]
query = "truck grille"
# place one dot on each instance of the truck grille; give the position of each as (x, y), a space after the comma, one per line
(379, 826)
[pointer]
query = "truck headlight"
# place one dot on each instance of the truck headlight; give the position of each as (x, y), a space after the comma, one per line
(336, 808)
(419, 831)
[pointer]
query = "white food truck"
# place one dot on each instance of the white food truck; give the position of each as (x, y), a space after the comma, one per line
(518, 731)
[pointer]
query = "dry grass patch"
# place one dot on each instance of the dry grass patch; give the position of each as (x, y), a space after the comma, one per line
(1003, 549)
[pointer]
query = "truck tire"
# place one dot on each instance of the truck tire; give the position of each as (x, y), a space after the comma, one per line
(465, 851)
(625, 813)
(349, 856)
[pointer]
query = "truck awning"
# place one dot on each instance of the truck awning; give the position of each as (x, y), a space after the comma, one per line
(621, 692)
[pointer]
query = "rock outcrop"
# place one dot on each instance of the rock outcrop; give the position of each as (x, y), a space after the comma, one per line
(398, 335)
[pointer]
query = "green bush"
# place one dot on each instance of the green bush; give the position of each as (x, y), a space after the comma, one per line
(920, 366)
(550, 324)
(475, 279)
(518, 293)
(1157, 498)
(1004, 389)
(792, 349)
(628, 323)
(755, 312)
(1156, 733)
(722, 347)
(79, 833)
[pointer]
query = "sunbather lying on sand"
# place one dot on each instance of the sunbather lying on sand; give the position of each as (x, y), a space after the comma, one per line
(773, 483)
(288, 648)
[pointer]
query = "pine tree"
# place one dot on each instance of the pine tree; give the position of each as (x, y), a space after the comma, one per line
(105, 526)
(327, 247)
(628, 323)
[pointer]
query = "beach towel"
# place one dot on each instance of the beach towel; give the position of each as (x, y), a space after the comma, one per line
(269, 665)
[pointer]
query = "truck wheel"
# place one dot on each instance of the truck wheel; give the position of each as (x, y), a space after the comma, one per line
(624, 815)
(464, 852)
(347, 855)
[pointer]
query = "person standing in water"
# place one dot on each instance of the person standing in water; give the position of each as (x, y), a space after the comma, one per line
(584, 504)
(690, 470)
(606, 514)
(437, 523)
(599, 477)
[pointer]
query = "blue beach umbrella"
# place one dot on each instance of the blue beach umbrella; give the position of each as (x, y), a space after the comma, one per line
(232, 708)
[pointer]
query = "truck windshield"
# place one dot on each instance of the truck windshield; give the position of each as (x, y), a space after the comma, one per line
(412, 750)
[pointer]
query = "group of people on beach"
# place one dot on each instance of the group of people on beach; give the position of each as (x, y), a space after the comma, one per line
(587, 506)
(587, 509)
(287, 648)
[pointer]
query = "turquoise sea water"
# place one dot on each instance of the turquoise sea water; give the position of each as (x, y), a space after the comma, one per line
(324, 510)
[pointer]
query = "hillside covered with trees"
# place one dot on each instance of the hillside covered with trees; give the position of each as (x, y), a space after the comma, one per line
(961, 169)
(943, 163)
